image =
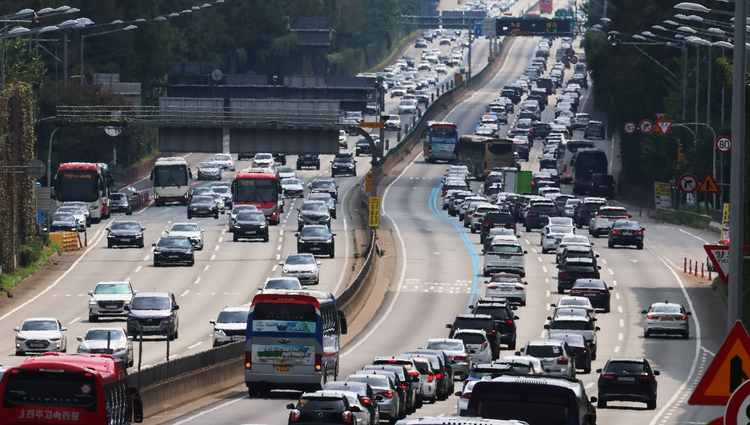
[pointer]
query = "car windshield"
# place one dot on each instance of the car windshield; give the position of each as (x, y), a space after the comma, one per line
(117, 288)
(202, 199)
(283, 284)
(173, 243)
(561, 229)
(185, 228)
(543, 351)
(575, 239)
(103, 334)
(209, 165)
(233, 317)
(222, 190)
(374, 380)
(308, 231)
(285, 170)
(223, 158)
(244, 208)
(264, 156)
(612, 213)
(150, 303)
(251, 216)
(574, 302)
(314, 207)
(497, 313)
(70, 210)
(125, 226)
(666, 309)
(65, 217)
(576, 325)
(290, 182)
(571, 340)
(40, 325)
(299, 260)
(470, 338)
(444, 345)
(627, 225)
(625, 367)
(506, 249)
(324, 185)
(342, 159)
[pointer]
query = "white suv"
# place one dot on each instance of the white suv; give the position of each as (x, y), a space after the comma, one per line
(230, 326)
(476, 343)
(556, 356)
(504, 256)
(552, 235)
(604, 218)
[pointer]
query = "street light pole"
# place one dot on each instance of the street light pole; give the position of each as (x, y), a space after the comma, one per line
(49, 159)
(83, 37)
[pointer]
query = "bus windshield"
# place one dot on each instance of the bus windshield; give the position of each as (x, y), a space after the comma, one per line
(171, 175)
(36, 388)
(77, 185)
(256, 190)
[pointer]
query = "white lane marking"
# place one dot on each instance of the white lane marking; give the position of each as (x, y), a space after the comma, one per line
(620, 336)
(146, 258)
(544, 269)
(542, 335)
(275, 266)
(278, 256)
(59, 279)
(535, 251)
(206, 268)
(441, 415)
(617, 295)
(278, 248)
(74, 320)
(549, 307)
(184, 293)
(281, 239)
(540, 259)
(281, 232)
(612, 272)
(619, 308)
(221, 240)
(213, 257)
(197, 281)
(589, 385)
(617, 349)
(346, 248)
(223, 231)
(549, 294)
(604, 261)
(216, 248)
(138, 269)
(403, 266)
(195, 345)
(704, 349)
(622, 323)
(546, 280)
(696, 237)
(614, 283)
(527, 241)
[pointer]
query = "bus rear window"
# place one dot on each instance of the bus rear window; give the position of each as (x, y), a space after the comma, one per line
(443, 133)
(500, 148)
(33, 388)
(279, 311)
(527, 407)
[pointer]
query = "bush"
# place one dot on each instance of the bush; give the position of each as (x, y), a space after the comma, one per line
(685, 216)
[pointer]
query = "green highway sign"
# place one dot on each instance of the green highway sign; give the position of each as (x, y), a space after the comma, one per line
(533, 26)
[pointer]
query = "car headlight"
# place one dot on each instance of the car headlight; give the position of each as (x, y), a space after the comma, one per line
(299, 218)
(157, 252)
(54, 339)
(285, 271)
(263, 226)
(236, 226)
(138, 236)
(20, 339)
(329, 240)
(195, 208)
(110, 236)
(219, 332)
(92, 302)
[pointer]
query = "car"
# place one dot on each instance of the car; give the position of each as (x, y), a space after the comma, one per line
(408, 106)
(595, 290)
(667, 318)
(202, 206)
(627, 379)
(569, 241)
(331, 407)
(478, 321)
(552, 235)
(281, 283)
(441, 366)
(292, 188)
(480, 212)
(393, 123)
(504, 256)
(110, 340)
(327, 198)
(189, 230)
(325, 186)
(110, 299)
(573, 269)
(364, 390)
(507, 285)
(420, 43)
(63, 222)
(230, 326)
(286, 173)
(556, 356)
(76, 212)
(173, 250)
(579, 346)
(232, 216)
(84, 207)
(602, 185)
(219, 199)
(308, 160)
(595, 130)
(398, 375)
(263, 160)
(128, 233)
(536, 217)
(503, 319)
(407, 370)
(154, 313)
(441, 68)
(501, 232)
(226, 195)
(209, 171)
(343, 163)
(626, 232)
(313, 212)
(587, 208)
(342, 140)
(386, 394)
(477, 345)
(604, 218)
(572, 301)
(573, 321)
(362, 147)
(250, 225)
(456, 352)
(225, 161)
(317, 240)
(40, 335)
(120, 203)
(303, 267)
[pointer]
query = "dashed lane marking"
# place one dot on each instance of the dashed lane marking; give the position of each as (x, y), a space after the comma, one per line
(138, 269)
(74, 320)
(185, 293)
(206, 268)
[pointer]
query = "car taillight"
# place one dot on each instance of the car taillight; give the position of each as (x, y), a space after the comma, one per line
(459, 357)
(562, 360)
(347, 416)
(646, 378)
(366, 400)
(466, 395)
(295, 414)
(638, 233)
(414, 373)
(606, 377)
(650, 316)
(519, 288)
(533, 183)
(575, 292)
(492, 287)
(564, 274)
(607, 294)
(386, 394)
(485, 223)
(616, 232)
(430, 377)
(683, 318)
(405, 386)
(248, 360)
(598, 216)
(492, 332)
(318, 362)
(447, 197)
(392, 361)
(513, 224)
(595, 275)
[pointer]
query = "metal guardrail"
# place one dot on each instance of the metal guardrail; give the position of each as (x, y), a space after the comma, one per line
(202, 114)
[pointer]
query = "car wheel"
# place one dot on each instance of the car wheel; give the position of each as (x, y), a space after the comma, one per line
(639, 246)
(473, 230)
(686, 335)
(587, 369)
(131, 362)
(512, 345)
(216, 216)
(176, 334)
(607, 309)
(141, 245)
(544, 250)
(333, 254)
(190, 216)
(299, 168)
(486, 273)
(610, 244)
(560, 290)
(601, 404)
(129, 212)
(317, 167)
(109, 245)
(20, 353)
(157, 264)
(646, 334)
(235, 238)
(170, 337)
(265, 238)
(528, 229)
(93, 318)
(651, 405)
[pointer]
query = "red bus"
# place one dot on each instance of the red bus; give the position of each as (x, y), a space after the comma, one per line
(259, 187)
(545, 6)
(58, 388)
(84, 182)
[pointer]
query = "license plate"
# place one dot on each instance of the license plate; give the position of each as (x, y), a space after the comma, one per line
(314, 249)
(174, 256)
(250, 232)
(283, 369)
(240, 338)
(111, 306)
(627, 378)
(603, 185)
(589, 295)
(667, 319)
(291, 191)
(32, 345)
(443, 151)
(125, 239)
(505, 257)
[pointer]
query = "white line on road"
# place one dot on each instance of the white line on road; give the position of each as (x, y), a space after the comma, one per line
(206, 268)
(622, 323)
(281, 232)
(184, 293)
(542, 335)
(281, 239)
(527, 242)
(275, 266)
(604, 261)
(138, 269)
(589, 385)
(127, 280)
(146, 258)
(278, 248)
(549, 294)
(217, 247)
(614, 283)
(535, 251)
(620, 336)
(617, 295)
(540, 259)
(197, 281)
(195, 345)
(696, 237)
(223, 231)
(612, 272)
(617, 349)
(619, 308)
(546, 280)
(213, 257)
(74, 320)
(544, 269)
(278, 256)
(221, 240)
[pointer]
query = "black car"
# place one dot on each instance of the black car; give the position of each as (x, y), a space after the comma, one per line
(626, 232)
(63, 222)
(317, 240)
(173, 250)
(595, 130)
(537, 216)
(578, 251)
(250, 225)
(365, 392)
(505, 321)
(602, 185)
(495, 219)
(362, 147)
(311, 160)
(583, 212)
(313, 212)
(493, 177)
(125, 233)
(325, 186)
(595, 290)
(343, 163)
(119, 203)
(329, 407)
(573, 269)
(327, 198)
(627, 379)
(209, 171)
(279, 157)
(202, 206)
(478, 321)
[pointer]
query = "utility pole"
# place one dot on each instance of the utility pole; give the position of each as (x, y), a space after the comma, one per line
(65, 60)
(471, 41)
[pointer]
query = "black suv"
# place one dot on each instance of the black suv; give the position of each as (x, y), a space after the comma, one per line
(577, 251)
(325, 186)
(595, 130)
(627, 379)
(154, 313)
(602, 185)
(586, 209)
(119, 203)
(537, 216)
(279, 157)
(311, 160)
(505, 321)
(478, 321)
(573, 269)
(202, 206)
(125, 233)
(250, 225)
(317, 240)
(362, 147)
(173, 250)
(626, 232)
(595, 290)
(331, 407)
(495, 219)
(365, 392)
(343, 163)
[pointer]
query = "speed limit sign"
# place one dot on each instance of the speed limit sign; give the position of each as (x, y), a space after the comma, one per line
(724, 144)
(738, 407)
(629, 127)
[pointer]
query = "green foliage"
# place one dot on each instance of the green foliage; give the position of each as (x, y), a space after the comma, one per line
(41, 257)
(685, 216)
(20, 65)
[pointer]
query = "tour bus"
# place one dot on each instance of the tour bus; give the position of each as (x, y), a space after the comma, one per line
(483, 154)
(565, 157)
(259, 187)
(587, 162)
(84, 182)
(171, 177)
(292, 340)
(58, 388)
(545, 6)
(439, 141)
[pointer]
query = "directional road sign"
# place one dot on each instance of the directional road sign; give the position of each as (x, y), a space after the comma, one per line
(478, 27)
(646, 126)
(663, 127)
(688, 183)
(629, 127)
(723, 144)
(36, 169)
(727, 371)
(369, 124)
(719, 255)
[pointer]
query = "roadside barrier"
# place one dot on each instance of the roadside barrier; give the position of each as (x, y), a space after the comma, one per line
(68, 240)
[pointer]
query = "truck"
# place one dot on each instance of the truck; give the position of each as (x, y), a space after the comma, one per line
(515, 181)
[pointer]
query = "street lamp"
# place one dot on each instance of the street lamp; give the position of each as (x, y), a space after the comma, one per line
(84, 36)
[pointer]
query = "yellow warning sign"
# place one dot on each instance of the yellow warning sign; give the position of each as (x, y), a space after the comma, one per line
(375, 212)
(708, 185)
(727, 371)
(368, 183)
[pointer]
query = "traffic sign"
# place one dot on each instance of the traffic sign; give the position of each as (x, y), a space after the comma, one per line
(569, 52)
(478, 27)
(374, 211)
(629, 127)
(646, 126)
(660, 116)
(574, 60)
(368, 183)
(369, 124)
(663, 127)
(708, 185)
(36, 169)
(719, 255)
(726, 372)
(738, 407)
(688, 183)
(723, 144)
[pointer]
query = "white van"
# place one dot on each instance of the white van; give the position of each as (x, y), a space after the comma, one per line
(504, 256)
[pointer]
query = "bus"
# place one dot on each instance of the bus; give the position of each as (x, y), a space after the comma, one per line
(292, 340)
(565, 157)
(81, 181)
(545, 6)
(588, 161)
(171, 177)
(440, 141)
(259, 187)
(59, 388)
(481, 154)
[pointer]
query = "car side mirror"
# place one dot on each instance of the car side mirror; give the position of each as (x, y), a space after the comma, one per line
(91, 292)
(166, 232)
(516, 318)
(644, 311)
(596, 255)
(63, 329)
(333, 234)
(107, 229)
(176, 307)
(597, 329)
(598, 267)
(526, 252)
(549, 318)
(143, 229)
(598, 371)
(213, 322)
(79, 338)
(281, 263)
(130, 338)
(557, 266)
(203, 230)
(594, 399)
(656, 373)
(126, 307)
(526, 283)
(296, 234)
(290, 406)
(611, 288)
(689, 313)
(17, 329)
(319, 262)
(153, 244)
(643, 229)
(546, 327)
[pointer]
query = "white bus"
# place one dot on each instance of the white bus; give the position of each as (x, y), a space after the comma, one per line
(171, 177)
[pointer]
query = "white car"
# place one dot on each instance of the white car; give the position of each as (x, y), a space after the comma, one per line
(554, 356)
(110, 299)
(604, 218)
(552, 235)
(488, 130)
(667, 318)
(568, 241)
(393, 123)
(570, 207)
(39, 335)
(363, 414)
(398, 91)
(302, 267)
(407, 106)
(532, 362)
(504, 256)
(476, 343)
(292, 188)
(581, 120)
(423, 66)
(463, 401)
(99, 340)
(230, 326)
(280, 283)
(441, 69)
(189, 230)
(225, 161)
(508, 286)
(83, 206)
(456, 351)
(263, 160)
(571, 301)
